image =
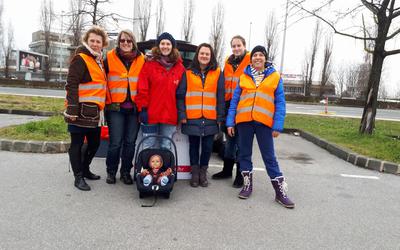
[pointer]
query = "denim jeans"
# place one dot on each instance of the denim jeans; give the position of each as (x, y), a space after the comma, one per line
(265, 143)
(206, 149)
(231, 147)
(158, 129)
(123, 128)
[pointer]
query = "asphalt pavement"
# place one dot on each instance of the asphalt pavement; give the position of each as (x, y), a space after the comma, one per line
(338, 206)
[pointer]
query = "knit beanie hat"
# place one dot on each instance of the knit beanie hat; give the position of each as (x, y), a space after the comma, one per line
(261, 49)
(167, 36)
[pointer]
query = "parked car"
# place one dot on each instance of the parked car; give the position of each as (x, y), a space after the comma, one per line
(186, 49)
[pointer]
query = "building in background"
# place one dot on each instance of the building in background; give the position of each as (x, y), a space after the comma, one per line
(294, 85)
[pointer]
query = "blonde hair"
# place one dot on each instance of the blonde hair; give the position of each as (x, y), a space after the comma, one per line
(98, 31)
(130, 35)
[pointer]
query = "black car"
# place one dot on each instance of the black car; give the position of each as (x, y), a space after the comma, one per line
(186, 49)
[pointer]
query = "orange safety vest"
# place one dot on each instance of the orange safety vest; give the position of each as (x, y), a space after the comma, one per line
(119, 78)
(201, 101)
(232, 77)
(257, 103)
(94, 91)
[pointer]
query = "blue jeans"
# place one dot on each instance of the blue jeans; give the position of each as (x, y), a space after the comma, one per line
(206, 149)
(231, 147)
(265, 141)
(158, 129)
(123, 128)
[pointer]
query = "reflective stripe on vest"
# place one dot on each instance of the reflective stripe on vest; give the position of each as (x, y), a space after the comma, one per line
(257, 103)
(94, 91)
(201, 101)
(119, 78)
(232, 77)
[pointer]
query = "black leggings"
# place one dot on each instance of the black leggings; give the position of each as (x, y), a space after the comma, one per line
(80, 156)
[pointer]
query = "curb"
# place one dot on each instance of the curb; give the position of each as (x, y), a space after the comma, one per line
(50, 147)
(28, 112)
(348, 155)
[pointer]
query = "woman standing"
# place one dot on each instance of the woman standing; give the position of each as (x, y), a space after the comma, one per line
(234, 67)
(200, 98)
(123, 65)
(258, 107)
(85, 101)
(156, 99)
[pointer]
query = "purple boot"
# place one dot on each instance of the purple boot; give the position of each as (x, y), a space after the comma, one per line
(247, 185)
(281, 189)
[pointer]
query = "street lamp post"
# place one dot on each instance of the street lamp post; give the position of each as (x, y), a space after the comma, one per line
(60, 58)
(284, 37)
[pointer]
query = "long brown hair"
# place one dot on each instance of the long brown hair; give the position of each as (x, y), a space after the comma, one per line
(173, 56)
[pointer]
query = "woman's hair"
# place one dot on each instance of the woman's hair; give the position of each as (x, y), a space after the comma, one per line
(212, 65)
(173, 56)
(130, 35)
(240, 38)
(98, 31)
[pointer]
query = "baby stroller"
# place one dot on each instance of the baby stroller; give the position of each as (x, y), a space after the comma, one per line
(169, 158)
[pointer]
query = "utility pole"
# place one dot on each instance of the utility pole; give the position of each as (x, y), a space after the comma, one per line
(135, 26)
(284, 38)
(250, 37)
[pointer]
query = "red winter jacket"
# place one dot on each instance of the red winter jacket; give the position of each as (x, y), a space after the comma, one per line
(157, 91)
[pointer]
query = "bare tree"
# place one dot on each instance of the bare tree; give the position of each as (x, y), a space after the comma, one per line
(97, 15)
(7, 49)
(217, 31)
(384, 13)
(310, 59)
(271, 35)
(144, 18)
(327, 65)
(351, 78)
(160, 19)
(383, 93)
(46, 19)
(75, 23)
(1, 30)
(340, 80)
(187, 25)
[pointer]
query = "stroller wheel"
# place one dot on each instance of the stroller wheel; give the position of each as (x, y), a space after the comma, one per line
(141, 195)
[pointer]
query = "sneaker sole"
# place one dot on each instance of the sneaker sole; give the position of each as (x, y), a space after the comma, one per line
(287, 206)
(243, 197)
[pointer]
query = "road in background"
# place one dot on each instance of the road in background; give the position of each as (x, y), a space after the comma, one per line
(292, 108)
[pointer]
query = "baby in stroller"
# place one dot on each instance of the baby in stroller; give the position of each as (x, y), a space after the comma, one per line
(155, 175)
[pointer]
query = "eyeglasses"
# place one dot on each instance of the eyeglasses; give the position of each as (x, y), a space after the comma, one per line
(125, 40)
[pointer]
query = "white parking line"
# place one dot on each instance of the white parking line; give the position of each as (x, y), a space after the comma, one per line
(220, 166)
(360, 176)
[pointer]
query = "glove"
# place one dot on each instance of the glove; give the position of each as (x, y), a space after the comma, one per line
(143, 117)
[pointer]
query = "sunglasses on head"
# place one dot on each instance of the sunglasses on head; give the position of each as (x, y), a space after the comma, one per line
(125, 40)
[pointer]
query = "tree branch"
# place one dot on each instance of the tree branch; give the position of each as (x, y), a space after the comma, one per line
(372, 7)
(391, 52)
(330, 24)
(393, 34)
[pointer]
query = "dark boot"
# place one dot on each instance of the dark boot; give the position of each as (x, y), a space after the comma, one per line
(194, 182)
(111, 179)
(126, 178)
(80, 183)
(247, 188)
(238, 182)
(203, 176)
(281, 189)
(89, 175)
(226, 170)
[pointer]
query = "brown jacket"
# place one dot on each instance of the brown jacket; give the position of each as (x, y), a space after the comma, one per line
(88, 113)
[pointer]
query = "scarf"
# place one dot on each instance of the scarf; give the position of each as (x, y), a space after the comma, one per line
(98, 56)
(164, 61)
(235, 61)
(127, 56)
(258, 76)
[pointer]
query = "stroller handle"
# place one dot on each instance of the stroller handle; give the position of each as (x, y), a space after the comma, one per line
(159, 137)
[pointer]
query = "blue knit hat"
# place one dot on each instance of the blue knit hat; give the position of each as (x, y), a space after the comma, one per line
(261, 49)
(167, 36)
